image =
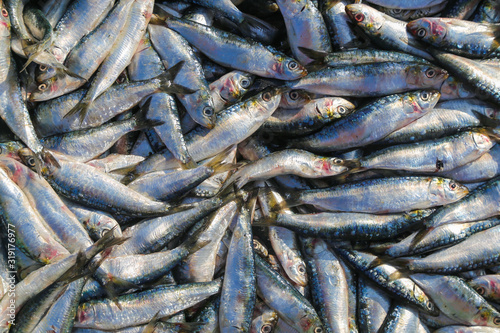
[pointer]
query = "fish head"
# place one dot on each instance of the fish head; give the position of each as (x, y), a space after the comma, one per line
(445, 190)
(455, 89)
(366, 17)
(44, 72)
(333, 107)
(328, 166)
(482, 140)
(425, 76)
(423, 100)
(4, 21)
(430, 30)
(265, 322)
(311, 324)
(268, 102)
(294, 99)
(286, 68)
(235, 84)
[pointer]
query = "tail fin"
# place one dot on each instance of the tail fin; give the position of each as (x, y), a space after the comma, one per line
(257, 29)
(167, 80)
(141, 120)
(81, 108)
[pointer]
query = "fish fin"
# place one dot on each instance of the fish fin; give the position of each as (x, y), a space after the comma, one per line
(50, 159)
(151, 326)
(264, 222)
(129, 177)
(221, 168)
(81, 108)
(251, 23)
(402, 271)
(190, 164)
(486, 121)
(292, 199)
(38, 164)
(328, 4)
(314, 54)
(380, 260)
(112, 295)
(380, 249)
(219, 158)
(141, 119)
(167, 80)
(122, 284)
(419, 236)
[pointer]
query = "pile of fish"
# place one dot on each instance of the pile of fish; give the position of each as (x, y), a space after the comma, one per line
(250, 166)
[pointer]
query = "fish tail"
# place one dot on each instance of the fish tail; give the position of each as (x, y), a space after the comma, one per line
(189, 164)
(141, 120)
(264, 222)
(419, 236)
(81, 109)
(167, 80)
(250, 24)
(292, 199)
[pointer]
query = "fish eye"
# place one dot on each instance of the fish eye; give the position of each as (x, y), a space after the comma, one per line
(5, 13)
(31, 161)
(337, 161)
(496, 321)
(430, 73)
(104, 231)
(397, 10)
(292, 65)
(318, 330)
(294, 95)
(480, 290)
(359, 17)
(421, 32)
(430, 306)
(341, 109)
(208, 111)
(266, 328)
(245, 83)
(301, 269)
(453, 185)
(266, 96)
(425, 95)
(43, 68)
(42, 87)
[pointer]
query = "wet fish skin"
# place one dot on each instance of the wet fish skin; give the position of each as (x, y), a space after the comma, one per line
(238, 294)
(385, 30)
(140, 308)
(464, 38)
(364, 125)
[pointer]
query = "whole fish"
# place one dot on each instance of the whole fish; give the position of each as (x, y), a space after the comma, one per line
(364, 125)
(464, 38)
(370, 196)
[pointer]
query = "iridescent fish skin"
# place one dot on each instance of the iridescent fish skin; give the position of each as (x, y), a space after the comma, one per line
(370, 80)
(487, 12)
(442, 236)
(238, 53)
(484, 168)
(290, 305)
(461, 9)
(457, 300)
(346, 225)
(328, 285)
(481, 248)
(305, 28)
(342, 35)
(385, 30)
(403, 287)
(464, 210)
(140, 308)
(464, 38)
(401, 319)
(438, 155)
(311, 117)
(230, 88)
(238, 294)
(406, 5)
(371, 196)
(374, 304)
(198, 104)
(80, 18)
(365, 126)
(487, 286)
